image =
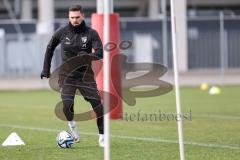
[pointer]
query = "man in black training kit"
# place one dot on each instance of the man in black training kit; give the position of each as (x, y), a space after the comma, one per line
(76, 40)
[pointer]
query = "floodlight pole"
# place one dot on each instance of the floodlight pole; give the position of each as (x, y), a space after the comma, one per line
(164, 32)
(177, 90)
(46, 17)
(100, 8)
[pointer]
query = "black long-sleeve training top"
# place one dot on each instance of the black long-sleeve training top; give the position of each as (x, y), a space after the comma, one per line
(74, 41)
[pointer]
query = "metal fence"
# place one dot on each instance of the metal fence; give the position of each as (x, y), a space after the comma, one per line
(22, 55)
(213, 42)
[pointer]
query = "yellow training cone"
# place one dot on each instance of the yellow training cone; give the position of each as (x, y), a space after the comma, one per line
(204, 86)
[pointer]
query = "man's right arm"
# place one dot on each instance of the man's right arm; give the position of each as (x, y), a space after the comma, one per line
(55, 40)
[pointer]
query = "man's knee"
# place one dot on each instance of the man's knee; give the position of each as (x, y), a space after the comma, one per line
(97, 106)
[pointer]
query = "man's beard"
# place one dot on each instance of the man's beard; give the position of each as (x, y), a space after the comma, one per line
(77, 24)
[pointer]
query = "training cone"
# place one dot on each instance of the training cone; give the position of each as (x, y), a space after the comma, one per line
(13, 140)
(204, 86)
(214, 90)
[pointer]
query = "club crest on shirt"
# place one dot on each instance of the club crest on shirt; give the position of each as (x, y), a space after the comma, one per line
(84, 39)
(67, 40)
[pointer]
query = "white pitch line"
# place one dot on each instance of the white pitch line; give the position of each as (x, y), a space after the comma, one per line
(215, 116)
(176, 142)
(129, 137)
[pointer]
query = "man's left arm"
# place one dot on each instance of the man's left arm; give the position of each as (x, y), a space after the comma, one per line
(97, 46)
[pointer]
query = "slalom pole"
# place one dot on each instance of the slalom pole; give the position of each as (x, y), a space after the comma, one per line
(176, 81)
(106, 83)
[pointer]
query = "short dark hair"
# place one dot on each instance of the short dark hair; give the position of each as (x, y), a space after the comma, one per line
(76, 8)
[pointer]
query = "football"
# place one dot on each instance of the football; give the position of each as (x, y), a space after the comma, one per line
(64, 139)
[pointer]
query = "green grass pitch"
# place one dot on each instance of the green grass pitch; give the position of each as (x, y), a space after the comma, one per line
(212, 133)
